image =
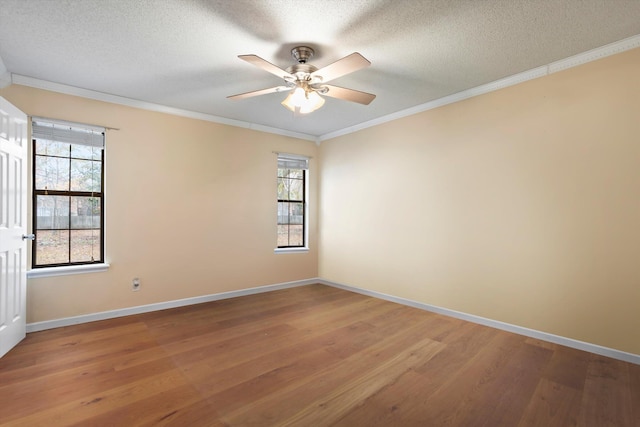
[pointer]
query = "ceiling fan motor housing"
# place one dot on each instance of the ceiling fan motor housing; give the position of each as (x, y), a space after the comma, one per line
(301, 68)
(302, 54)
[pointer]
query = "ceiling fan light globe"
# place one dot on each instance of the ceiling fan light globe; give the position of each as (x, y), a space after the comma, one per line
(302, 101)
(312, 103)
(298, 97)
(294, 99)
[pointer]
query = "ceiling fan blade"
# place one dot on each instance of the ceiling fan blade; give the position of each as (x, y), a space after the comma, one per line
(260, 92)
(267, 66)
(349, 94)
(341, 67)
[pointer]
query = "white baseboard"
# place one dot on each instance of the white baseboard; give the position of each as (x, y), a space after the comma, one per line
(103, 315)
(556, 339)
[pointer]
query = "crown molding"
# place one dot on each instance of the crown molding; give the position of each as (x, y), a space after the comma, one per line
(149, 106)
(545, 70)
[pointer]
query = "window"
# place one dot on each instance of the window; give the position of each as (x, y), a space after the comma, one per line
(292, 205)
(68, 194)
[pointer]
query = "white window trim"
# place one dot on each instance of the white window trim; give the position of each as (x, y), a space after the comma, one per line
(36, 273)
(290, 250)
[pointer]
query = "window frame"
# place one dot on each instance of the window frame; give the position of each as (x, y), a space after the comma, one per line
(302, 160)
(71, 266)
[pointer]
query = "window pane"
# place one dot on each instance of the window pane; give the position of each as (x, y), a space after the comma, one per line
(85, 245)
(290, 235)
(283, 235)
(283, 213)
(283, 189)
(290, 224)
(290, 173)
(295, 235)
(85, 212)
(295, 189)
(296, 173)
(296, 213)
(284, 173)
(52, 148)
(85, 175)
(86, 152)
(52, 212)
(52, 173)
(290, 189)
(290, 213)
(52, 246)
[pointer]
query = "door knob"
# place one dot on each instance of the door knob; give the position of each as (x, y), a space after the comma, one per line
(28, 237)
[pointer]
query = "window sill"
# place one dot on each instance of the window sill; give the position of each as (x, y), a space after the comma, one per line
(290, 250)
(63, 271)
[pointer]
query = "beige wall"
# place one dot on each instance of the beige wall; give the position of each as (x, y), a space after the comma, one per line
(522, 205)
(191, 209)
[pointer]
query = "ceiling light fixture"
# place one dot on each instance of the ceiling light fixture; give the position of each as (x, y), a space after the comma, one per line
(305, 83)
(303, 99)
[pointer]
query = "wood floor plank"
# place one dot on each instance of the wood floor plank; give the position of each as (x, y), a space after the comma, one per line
(607, 397)
(463, 343)
(146, 411)
(339, 334)
(552, 405)
(220, 372)
(221, 314)
(264, 329)
(307, 356)
(98, 402)
(388, 407)
(44, 394)
(451, 403)
(568, 366)
(404, 402)
(244, 394)
(311, 388)
(48, 351)
(634, 379)
(338, 402)
(504, 399)
(64, 357)
(200, 413)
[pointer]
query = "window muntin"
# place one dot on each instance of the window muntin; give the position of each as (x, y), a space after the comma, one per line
(292, 205)
(68, 194)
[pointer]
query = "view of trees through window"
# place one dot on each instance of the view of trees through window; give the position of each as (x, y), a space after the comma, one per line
(67, 203)
(291, 209)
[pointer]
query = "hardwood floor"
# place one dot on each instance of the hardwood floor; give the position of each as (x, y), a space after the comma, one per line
(307, 356)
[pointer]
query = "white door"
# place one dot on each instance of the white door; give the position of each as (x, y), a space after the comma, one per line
(13, 225)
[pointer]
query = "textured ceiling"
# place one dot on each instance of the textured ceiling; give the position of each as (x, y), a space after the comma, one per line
(183, 53)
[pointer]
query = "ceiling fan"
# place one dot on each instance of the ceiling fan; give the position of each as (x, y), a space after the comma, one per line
(305, 83)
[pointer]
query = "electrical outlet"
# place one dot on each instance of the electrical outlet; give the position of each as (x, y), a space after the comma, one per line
(135, 284)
